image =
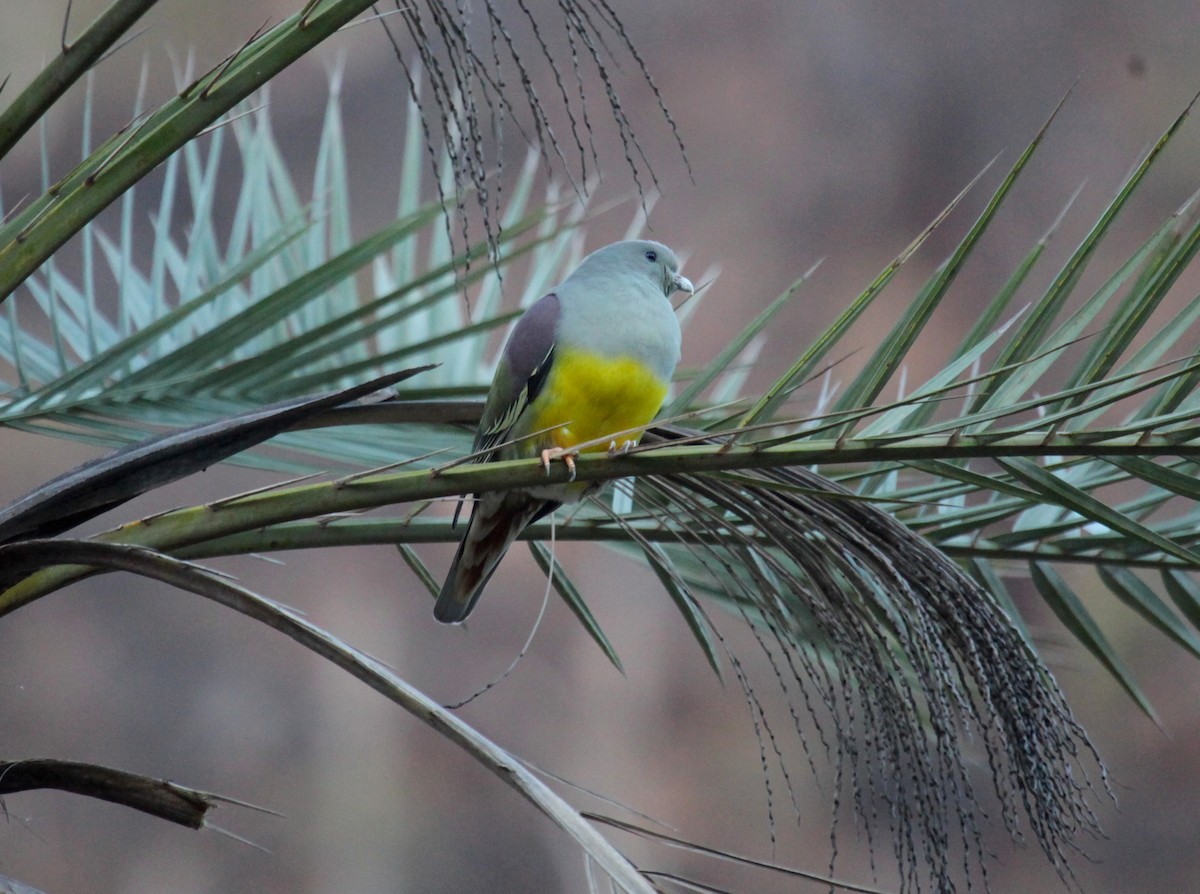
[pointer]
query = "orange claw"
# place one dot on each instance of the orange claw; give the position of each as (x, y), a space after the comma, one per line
(552, 453)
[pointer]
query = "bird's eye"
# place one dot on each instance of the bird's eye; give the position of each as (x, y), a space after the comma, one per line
(651, 256)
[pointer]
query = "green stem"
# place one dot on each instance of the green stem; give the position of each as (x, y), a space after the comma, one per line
(33, 235)
(68, 67)
(172, 531)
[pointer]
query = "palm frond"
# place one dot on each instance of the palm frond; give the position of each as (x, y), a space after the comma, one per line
(202, 331)
(1067, 435)
(96, 487)
(467, 103)
(195, 579)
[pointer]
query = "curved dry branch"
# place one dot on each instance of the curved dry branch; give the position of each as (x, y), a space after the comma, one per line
(157, 797)
(194, 579)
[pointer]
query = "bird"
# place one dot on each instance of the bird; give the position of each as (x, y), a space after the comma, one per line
(590, 364)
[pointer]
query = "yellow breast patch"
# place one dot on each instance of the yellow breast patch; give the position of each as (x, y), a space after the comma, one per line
(588, 396)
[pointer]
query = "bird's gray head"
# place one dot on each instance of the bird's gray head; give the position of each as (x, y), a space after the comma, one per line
(642, 256)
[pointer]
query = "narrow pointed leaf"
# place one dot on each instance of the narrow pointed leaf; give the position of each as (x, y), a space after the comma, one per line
(1076, 500)
(413, 561)
(575, 602)
(1028, 338)
(1177, 328)
(1131, 590)
(1022, 364)
(33, 235)
(896, 420)
(220, 341)
(1160, 476)
(987, 321)
(101, 484)
(108, 364)
(1076, 618)
(1134, 313)
(809, 360)
(1185, 593)
(683, 600)
(895, 347)
(732, 351)
(978, 480)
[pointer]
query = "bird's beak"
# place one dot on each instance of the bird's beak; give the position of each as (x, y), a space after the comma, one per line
(682, 283)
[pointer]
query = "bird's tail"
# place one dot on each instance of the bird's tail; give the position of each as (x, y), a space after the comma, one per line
(497, 520)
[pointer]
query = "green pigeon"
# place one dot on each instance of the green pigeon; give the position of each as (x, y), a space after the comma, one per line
(587, 364)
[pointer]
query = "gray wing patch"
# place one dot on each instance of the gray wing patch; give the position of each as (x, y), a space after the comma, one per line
(524, 366)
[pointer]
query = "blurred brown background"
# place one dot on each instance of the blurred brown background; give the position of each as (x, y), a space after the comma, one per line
(815, 130)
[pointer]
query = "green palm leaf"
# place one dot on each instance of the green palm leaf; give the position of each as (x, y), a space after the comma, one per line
(1018, 448)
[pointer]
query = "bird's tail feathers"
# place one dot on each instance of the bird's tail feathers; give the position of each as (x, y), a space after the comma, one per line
(497, 520)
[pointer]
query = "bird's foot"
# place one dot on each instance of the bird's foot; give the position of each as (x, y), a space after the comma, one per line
(567, 456)
(615, 449)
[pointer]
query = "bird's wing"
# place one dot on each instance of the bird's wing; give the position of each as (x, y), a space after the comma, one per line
(520, 374)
